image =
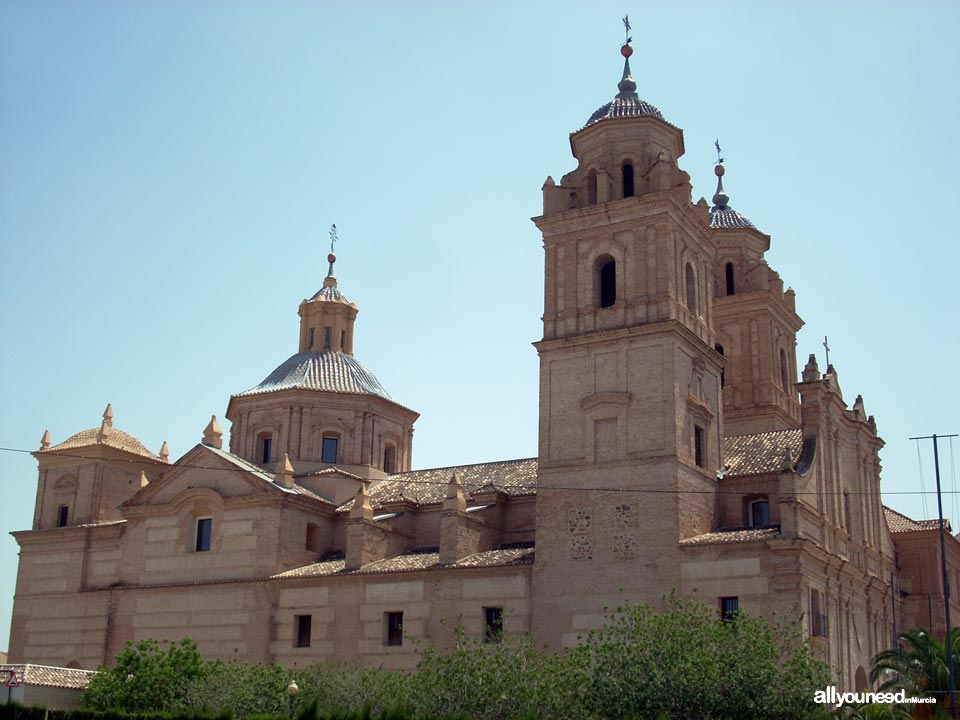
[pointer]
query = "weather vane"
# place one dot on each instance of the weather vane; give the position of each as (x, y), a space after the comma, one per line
(716, 144)
(626, 30)
(333, 236)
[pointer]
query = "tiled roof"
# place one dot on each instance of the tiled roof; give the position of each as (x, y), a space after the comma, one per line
(426, 487)
(898, 522)
(45, 675)
(624, 107)
(727, 217)
(761, 453)
(423, 559)
(736, 535)
(114, 438)
(327, 371)
(329, 294)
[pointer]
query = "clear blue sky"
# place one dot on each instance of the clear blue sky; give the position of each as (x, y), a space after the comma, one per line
(169, 170)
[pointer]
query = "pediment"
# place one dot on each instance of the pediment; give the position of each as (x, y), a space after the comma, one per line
(206, 470)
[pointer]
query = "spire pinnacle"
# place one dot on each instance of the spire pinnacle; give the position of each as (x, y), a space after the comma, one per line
(720, 198)
(212, 434)
(331, 258)
(164, 452)
(627, 85)
(107, 425)
(45, 441)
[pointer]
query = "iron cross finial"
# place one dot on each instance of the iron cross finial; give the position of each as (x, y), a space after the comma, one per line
(716, 144)
(827, 347)
(626, 29)
(333, 236)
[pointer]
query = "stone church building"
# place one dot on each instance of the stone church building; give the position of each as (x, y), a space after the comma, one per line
(677, 450)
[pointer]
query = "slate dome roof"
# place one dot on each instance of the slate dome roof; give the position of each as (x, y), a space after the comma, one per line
(727, 217)
(624, 107)
(326, 371)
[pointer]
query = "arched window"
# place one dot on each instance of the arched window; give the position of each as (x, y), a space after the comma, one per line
(784, 370)
(691, 284)
(605, 281)
(592, 188)
(389, 458)
(264, 448)
(729, 274)
(719, 349)
(627, 180)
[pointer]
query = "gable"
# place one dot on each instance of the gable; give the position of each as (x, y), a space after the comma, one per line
(209, 470)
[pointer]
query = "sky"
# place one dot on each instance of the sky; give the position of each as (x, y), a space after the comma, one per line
(169, 172)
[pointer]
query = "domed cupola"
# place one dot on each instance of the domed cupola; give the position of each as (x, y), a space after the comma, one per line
(322, 406)
(721, 214)
(626, 103)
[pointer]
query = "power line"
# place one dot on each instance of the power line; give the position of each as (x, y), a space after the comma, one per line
(398, 477)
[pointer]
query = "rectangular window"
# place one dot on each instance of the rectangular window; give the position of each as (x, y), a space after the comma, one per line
(301, 630)
(393, 629)
(62, 514)
(329, 452)
(343, 341)
(759, 513)
(492, 624)
(266, 450)
(311, 337)
(204, 526)
(698, 445)
(327, 337)
(729, 607)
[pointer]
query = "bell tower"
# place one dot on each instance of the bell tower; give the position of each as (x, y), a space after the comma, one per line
(630, 432)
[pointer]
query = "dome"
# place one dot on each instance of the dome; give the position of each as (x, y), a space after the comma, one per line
(329, 293)
(114, 438)
(324, 371)
(624, 107)
(727, 217)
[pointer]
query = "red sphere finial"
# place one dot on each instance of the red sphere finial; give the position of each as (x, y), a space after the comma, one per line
(718, 170)
(626, 50)
(331, 258)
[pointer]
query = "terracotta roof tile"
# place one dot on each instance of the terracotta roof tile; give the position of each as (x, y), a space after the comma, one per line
(736, 535)
(422, 559)
(426, 487)
(761, 453)
(898, 522)
(114, 438)
(48, 676)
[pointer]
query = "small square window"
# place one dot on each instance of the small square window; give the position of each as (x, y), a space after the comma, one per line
(729, 607)
(301, 630)
(329, 451)
(204, 528)
(62, 515)
(393, 629)
(492, 624)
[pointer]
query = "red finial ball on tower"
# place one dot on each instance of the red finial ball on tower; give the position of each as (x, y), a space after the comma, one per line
(626, 50)
(331, 258)
(718, 170)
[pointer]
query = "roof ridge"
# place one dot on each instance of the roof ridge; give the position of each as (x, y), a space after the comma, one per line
(466, 465)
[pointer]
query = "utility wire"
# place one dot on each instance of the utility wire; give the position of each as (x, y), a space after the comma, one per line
(742, 487)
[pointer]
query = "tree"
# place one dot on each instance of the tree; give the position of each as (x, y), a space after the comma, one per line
(147, 675)
(919, 665)
(686, 662)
